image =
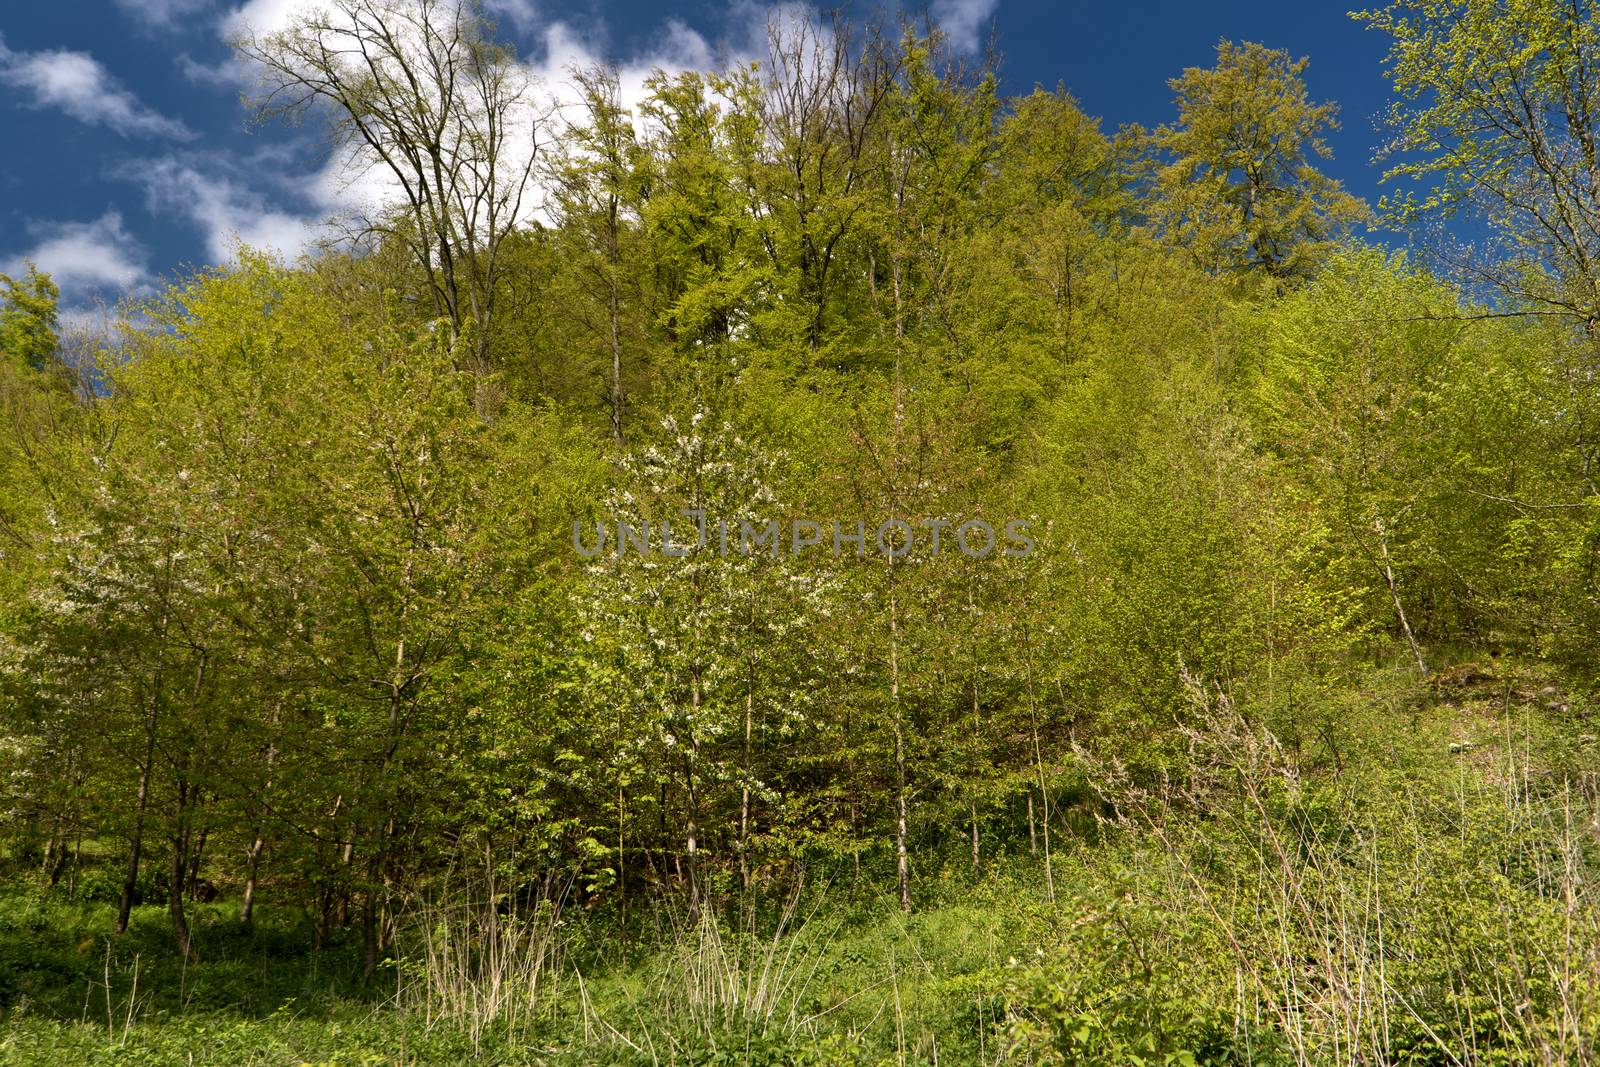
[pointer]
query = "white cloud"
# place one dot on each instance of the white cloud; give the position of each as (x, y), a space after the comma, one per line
(76, 83)
(349, 183)
(678, 48)
(86, 257)
(353, 183)
(224, 209)
(226, 73)
(965, 22)
(521, 15)
(162, 12)
(264, 16)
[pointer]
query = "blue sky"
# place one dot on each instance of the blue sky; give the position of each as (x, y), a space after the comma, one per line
(128, 155)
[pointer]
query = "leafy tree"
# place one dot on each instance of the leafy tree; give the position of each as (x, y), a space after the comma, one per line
(1350, 367)
(29, 321)
(699, 638)
(599, 196)
(819, 106)
(421, 92)
(1498, 110)
(284, 611)
(32, 405)
(1238, 187)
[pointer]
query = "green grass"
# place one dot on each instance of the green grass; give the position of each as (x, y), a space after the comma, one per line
(1414, 884)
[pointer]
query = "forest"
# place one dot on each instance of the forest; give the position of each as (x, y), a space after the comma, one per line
(518, 632)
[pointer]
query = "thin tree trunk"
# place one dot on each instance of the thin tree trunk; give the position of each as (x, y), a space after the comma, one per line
(974, 813)
(616, 328)
(77, 860)
(319, 934)
(247, 906)
(622, 823)
(744, 796)
(902, 861)
(1038, 763)
(622, 865)
(369, 930)
(258, 842)
(855, 840)
(196, 855)
(188, 799)
(1387, 567)
(55, 855)
(663, 839)
(371, 905)
(692, 840)
(141, 804)
(341, 911)
(691, 755)
(178, 874)
(977, 733)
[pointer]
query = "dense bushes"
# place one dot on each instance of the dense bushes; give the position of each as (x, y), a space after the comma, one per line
(1431, 904)
(293, 613)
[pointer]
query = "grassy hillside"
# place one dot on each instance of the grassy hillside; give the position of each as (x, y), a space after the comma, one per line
(1414, 885)
(818, 560)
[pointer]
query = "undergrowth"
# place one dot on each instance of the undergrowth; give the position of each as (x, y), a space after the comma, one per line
(1412, 884)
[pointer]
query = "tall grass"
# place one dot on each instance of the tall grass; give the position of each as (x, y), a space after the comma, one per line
(1395, 916)
(717, 978)
(484, 964)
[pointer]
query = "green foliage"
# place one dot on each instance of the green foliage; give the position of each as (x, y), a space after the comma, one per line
(28, 320)
(1239, 190)
(323, 740)
(1495, 118)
